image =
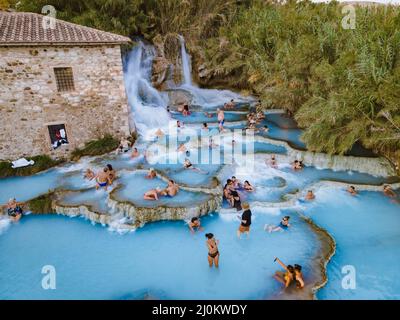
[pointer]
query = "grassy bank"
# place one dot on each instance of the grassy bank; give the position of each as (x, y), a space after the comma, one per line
(41, 204)
(42, 163)
(96, 147)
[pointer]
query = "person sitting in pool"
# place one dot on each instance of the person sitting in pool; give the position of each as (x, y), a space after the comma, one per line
(263, 129)
(272, 162)
(159, 133)
(135, 153)
(236, 183)
(310, 195)
(221, 119)
(296, 165)
(102, 179)
(194, 225)
(179, 124)
(171, 190)
(89, 174)
(151, 174)
(186, 111)
(235, 200)
(14, 209)
(260, 115)
(112, 175)
(283, 225)
(298, 276)
(152, 194)
(182, 148)
(213, 253)
(287, 277)
(123, 146)
(228, 188)
(205, 126)
(230, 105)
(248, 187)
(352, 190)
(208, 114)
(388, 191)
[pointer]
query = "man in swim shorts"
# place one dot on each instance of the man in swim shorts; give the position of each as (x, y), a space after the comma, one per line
(245, 221)
(103, 179)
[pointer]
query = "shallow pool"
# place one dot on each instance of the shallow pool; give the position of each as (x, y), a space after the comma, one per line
(162, 260)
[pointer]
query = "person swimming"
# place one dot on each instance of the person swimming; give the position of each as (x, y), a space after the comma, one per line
(14, 209)
(352, 190)
(282, 226)
(213, 253)
(247, 186)
(195, 225)
(310, 195)
(103, 179)
(287, 277)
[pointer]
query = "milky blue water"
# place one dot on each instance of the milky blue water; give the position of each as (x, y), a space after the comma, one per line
(134, 185)
(162, 259)
(366, 230)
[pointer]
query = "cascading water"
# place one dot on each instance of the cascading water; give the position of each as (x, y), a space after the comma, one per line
(207, 98)
(147, 105)
(186, 64)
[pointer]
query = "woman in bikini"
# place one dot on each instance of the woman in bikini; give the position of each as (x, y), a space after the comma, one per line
(213, 253)
(287, 277)
(248, 187)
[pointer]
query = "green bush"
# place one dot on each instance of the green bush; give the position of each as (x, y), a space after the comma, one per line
(96, 147)
(42, 162)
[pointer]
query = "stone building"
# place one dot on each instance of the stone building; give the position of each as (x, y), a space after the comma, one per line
(63, 83)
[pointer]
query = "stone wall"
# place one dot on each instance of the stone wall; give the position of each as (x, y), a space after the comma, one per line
(29, 100)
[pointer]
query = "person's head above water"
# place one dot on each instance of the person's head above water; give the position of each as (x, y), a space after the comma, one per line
(195, 219)
(105, 169)
(109, 166)
(286, 218)
(290, 268)
(297, 267)
(209, 236)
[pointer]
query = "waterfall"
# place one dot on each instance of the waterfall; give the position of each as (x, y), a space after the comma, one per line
(186, 64)
(147, 105)
(207, 98)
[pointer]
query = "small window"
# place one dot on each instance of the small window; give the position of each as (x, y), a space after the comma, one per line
(58, 135)
(64, 79)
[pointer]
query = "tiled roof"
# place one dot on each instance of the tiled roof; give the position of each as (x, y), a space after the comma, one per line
(23, 28)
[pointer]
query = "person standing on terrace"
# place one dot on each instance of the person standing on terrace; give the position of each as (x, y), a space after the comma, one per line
(221, 119)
